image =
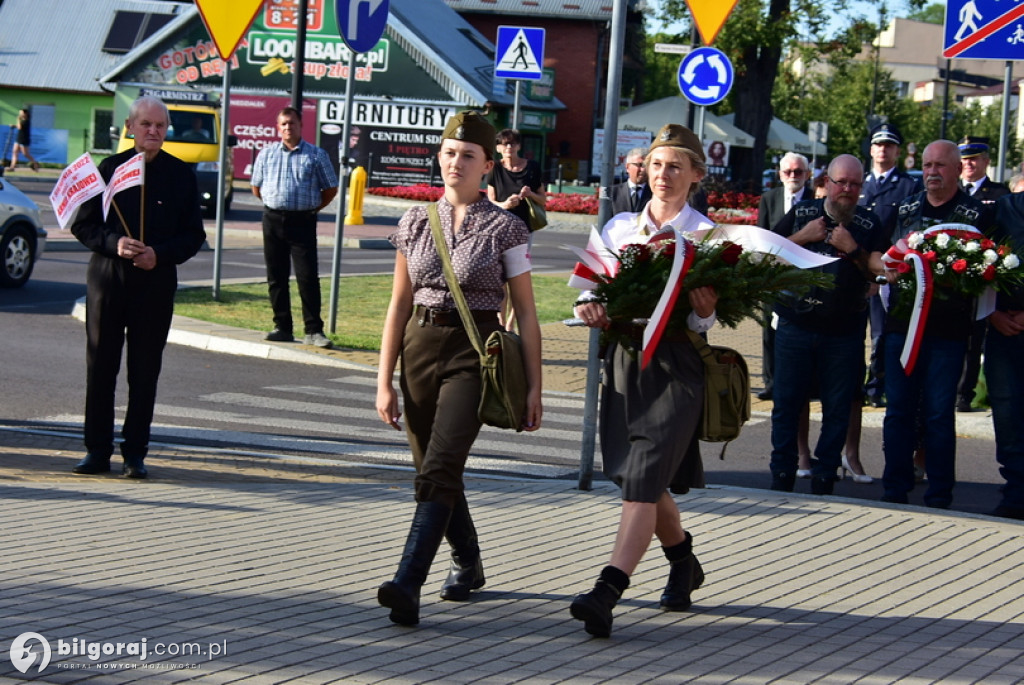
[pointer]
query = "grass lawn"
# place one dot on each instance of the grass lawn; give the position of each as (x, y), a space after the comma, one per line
(362, 304)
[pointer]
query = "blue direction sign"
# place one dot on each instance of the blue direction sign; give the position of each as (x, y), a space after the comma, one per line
(361, 22)
(519, 53)
(705, 76)
(984, 29)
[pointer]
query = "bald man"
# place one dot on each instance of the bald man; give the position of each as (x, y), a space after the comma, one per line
(820, 336)
(924, 402)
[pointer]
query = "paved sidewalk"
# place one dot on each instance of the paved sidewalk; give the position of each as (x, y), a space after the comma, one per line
(273, 567)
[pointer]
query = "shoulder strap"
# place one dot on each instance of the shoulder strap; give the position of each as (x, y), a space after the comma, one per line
(702, 347)
(468, 322)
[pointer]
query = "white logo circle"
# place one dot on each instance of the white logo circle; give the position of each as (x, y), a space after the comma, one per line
(23, 657)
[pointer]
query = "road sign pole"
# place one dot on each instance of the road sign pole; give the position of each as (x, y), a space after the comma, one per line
(225, 127)
(1004, 127)
(300, 56)
(515, 106)
(339, 220)
(611, 128)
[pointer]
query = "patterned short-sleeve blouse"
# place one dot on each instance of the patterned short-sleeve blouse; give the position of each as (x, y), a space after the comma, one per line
(489, 249)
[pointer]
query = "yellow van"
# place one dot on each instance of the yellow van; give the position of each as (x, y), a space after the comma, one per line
(194, 137)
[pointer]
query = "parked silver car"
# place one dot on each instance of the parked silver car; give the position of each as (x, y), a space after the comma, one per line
(22, 236)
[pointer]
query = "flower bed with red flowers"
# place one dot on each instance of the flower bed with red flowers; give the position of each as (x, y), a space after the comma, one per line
(724, 207)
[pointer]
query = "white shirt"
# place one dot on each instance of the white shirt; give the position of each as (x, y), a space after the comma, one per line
(974, 184)
(791, 200)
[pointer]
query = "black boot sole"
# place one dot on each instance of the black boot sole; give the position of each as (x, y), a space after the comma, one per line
(596, 620)
(404, 610)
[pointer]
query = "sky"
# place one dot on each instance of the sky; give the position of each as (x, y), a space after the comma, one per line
(867, 9)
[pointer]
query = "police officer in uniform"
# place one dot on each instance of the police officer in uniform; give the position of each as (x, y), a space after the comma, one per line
(885, 186)
(974, 153)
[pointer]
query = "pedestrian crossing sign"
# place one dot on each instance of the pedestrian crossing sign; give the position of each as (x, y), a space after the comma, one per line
(519, 53)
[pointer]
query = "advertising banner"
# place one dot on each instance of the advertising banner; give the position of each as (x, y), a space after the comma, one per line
(396, 142)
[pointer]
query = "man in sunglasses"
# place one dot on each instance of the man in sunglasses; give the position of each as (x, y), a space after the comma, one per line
(794, 172)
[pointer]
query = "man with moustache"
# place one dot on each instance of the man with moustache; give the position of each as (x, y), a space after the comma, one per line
(794, 172)
(924, 402)
(821, 334)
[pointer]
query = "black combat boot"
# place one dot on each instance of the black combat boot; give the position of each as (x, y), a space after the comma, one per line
(685, 575)
(594, 608)
(467, 573)
(402, 594)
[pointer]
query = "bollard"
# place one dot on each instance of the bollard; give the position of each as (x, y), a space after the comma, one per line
(356, 191)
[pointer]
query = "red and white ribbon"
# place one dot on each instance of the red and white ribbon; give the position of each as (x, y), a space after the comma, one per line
(681, 262)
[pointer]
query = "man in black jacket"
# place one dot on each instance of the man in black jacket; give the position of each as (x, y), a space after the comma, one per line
(633, 194)
(922, 403)
(131, 282)
(820, 335)
(1004, 349)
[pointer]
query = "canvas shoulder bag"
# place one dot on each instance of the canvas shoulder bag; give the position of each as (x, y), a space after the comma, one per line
(726, 392)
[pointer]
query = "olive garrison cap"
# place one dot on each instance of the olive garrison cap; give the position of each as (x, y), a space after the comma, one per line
(678, 136)
(471, 127)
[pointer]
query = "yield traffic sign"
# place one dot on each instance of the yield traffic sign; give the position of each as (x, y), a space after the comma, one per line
(710, 16)
(361, 22)
(519, 53)
(227, 21)
(705, 76)
(984, 29)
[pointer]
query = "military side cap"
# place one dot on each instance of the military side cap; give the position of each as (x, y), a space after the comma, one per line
(972, 146)
(471, 127)
(886, 133)
(678, 136)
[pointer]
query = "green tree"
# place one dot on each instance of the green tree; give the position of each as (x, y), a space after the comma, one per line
(759, 34)
(934, 13)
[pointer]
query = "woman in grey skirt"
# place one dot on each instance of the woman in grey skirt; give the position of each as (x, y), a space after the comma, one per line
(649, 416)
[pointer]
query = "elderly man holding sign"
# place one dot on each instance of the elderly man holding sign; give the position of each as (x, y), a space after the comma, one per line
(157, 224)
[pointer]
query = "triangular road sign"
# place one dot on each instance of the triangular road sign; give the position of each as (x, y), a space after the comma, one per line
(227, 21)
(710, 16)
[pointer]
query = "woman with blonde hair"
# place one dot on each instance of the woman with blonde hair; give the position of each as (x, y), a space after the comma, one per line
(650, 415)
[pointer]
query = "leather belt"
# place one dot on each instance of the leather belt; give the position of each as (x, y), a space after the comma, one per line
(290, 212)
(450, 317)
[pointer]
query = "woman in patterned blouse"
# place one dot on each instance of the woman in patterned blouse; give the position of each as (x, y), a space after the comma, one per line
(440, 370)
